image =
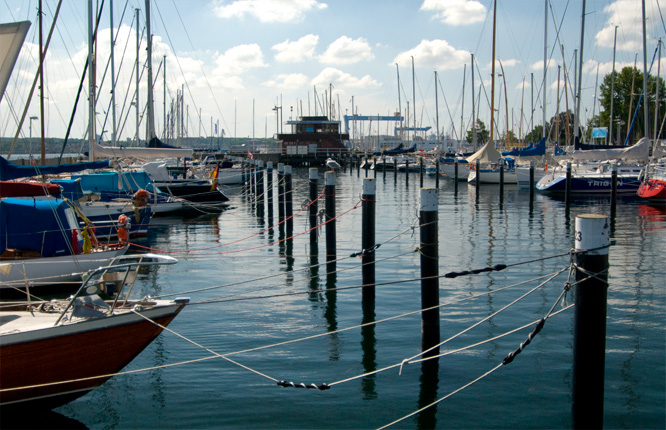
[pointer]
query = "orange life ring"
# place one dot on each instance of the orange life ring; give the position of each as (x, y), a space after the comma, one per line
(140, 198)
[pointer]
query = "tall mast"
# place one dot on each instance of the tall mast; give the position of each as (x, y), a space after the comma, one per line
(150, 124)
(610, 125)
(473, 107)
(164, 101)
(113, 78)
(462, 107)
(545, 65)
(580, 76)
(506, 105)
(91, 85)
(414, 98)
(399, 103)
(136, 96)
(492, 87)
(437, 108)
(645, 79)
(656, 98)
(41, 85)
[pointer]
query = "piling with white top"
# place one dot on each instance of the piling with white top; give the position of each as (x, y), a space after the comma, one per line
(314, 179)
(589, 343)
(429, 249)
(331, 254)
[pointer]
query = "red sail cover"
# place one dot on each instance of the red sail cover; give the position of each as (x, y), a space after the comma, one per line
(28, 189)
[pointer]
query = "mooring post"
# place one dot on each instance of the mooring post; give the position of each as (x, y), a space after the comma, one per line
(421, 172)
(455, 170)
(395, 169)
(613, 191)
(314, 176)
(437, 172)
(368, 240)
(331, 254)
(288, 199)
(532, 184)
(358, 166)
(269, 190)
(567, 191)
(374, 166)
(280, 181)
(501, 178)
(260, 182)
(589, 343)
(429, 271)
(406, 170)
(478, 176)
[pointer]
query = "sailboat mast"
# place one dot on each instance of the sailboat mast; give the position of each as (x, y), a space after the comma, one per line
(545, 65)
(414, 98)
(150, 124)
(41, 86)
(399, 102)
(610, 124)
(656, 98)
(492, 87)
(113, 79)
(580, 77)
(91, 85)
(462, 104)
(437, 108)
(473, 107)
(136, 96)
(645, 79)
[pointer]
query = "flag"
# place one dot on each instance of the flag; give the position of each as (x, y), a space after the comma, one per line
(213, 186)
(249, 154)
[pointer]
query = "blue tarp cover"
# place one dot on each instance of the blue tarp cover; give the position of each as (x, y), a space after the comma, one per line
(29, 224)
(9, 171)
(532, 150)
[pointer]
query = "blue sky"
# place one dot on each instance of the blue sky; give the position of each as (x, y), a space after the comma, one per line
(236, 54)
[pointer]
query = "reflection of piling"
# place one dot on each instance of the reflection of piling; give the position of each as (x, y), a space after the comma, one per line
(280, 181)
(331, 255)
(288, 200)
(429, 271)
(269, 191)
(314, 176)
(368, 240)
(592, 232)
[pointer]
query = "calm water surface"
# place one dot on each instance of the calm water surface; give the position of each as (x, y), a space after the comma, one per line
(532, 392)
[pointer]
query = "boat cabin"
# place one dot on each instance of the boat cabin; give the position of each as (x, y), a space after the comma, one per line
(313, 136)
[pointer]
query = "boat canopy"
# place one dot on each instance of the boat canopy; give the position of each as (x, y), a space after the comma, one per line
(71, 188)
(487, 154)
(112, 181)
(639, 152)
(529, 151)
(9, 171)
(36, 225)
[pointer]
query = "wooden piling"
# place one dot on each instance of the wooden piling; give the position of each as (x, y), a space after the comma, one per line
(437, 172)
(567, 190)
(589, 344)
(477, 181)
(368, 240)
(501, 178)
(395, 169)
(269, 190)
(331, 254)
(280, 180)
(613, 201)
(455, 169)
(532, 184)
(260, 182)
(421, 171)
(288, 200)
(314, 179)
(429, 271)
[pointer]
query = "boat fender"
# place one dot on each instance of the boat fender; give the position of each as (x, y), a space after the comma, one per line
(140, 198)
(123, 224)
(545, 168)
(75, 241)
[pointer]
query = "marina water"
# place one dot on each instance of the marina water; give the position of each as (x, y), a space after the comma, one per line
(253, 294)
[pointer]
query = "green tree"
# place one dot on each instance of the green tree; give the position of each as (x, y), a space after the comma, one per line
(624, 105)
(482, 134)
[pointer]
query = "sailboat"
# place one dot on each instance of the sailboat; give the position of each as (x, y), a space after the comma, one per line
(54, 352)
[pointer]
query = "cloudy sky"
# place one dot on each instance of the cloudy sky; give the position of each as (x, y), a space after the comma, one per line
(238, 59)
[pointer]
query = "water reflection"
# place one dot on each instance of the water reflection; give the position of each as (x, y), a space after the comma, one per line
(368, 346)
(429, 383)
(23, 419)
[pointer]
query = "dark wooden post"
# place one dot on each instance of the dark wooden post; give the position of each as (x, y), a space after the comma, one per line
(437, 172)
(613, 191)
(269, 189)
(592, 232)
(532, 184)
(280, 179)
(314, 179)
(429, 271)
(395, 169)
(331, 254)
(260, 182)
(477, 181)
(455, 169)
(288, 199)
(368, 240)
(501, 178)
(567, 191)
(421, 172)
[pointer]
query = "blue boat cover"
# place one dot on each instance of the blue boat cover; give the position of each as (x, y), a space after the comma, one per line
(108, 181)
(530, 151)
(34, 225)
(71, 188)
(9, 171)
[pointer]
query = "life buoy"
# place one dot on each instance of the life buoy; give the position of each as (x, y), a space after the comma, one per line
(123, 223)
(140, 198)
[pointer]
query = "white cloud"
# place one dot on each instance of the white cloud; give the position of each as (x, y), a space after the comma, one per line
(347, 51)
(434, 54)
(238, 59)
(627, 15)
(288, 81)
(267, 10)
(456, 12)
(340, 79)
(293, 52)
(538, 66)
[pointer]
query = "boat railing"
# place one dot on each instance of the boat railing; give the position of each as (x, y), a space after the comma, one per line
(112, 279)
